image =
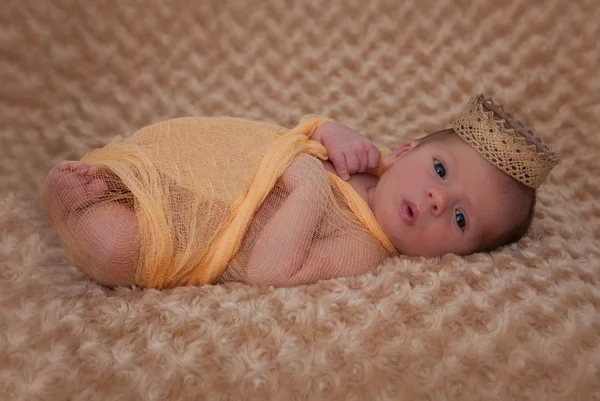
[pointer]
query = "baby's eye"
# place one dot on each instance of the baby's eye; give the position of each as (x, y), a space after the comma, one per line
(439, 168)
(460, 219)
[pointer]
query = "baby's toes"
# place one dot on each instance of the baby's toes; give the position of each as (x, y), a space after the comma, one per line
(84, 169)
(88, 172)
(97, 186)
(74, 166)
(67, 166)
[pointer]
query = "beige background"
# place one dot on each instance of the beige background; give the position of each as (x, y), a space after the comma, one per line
(520, 324)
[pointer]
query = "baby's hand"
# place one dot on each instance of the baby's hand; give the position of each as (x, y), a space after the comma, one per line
(349, 151)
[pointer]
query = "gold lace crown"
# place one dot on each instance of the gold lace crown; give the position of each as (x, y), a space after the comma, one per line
(505, 141)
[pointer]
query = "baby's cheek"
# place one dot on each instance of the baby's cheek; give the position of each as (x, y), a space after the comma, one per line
(389, 223)
(426, 234)
(433, 240)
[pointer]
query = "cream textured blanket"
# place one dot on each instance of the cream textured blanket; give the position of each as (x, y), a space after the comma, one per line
(522, 323)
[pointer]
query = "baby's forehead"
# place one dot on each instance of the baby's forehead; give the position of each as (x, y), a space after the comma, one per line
(512, 192)
(512, 200)
(499, 197)
(507, 192)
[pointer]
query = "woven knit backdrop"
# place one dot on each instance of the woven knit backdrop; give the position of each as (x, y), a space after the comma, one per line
(520, 324)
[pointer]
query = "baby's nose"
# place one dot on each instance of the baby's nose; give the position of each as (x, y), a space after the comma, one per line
(438, 200)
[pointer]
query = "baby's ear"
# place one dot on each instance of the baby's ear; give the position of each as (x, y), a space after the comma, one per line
(390, 159)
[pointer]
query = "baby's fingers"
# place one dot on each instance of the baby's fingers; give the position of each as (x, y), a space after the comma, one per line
(339, 162)
(353, 164)
(374, 156)
(363, 160)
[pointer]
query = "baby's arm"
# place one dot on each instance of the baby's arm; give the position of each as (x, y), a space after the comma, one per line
(284, 243)
(286, 252)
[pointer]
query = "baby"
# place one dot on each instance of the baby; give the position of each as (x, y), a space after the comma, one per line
(290, 207)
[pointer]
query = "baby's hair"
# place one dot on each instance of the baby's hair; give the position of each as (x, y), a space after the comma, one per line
(512, 189)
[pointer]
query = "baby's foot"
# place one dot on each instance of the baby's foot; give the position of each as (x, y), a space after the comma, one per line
(70, 186)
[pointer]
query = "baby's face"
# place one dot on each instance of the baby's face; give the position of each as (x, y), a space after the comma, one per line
(441, 197)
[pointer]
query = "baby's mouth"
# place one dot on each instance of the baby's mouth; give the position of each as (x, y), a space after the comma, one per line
(409, 213)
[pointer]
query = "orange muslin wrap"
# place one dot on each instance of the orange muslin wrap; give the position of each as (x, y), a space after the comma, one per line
(196, 185)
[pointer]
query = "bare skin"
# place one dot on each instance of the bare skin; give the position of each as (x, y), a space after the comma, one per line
(107, 232)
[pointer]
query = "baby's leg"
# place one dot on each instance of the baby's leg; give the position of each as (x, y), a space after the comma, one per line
(101, 235)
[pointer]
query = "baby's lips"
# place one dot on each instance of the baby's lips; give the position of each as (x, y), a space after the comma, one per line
(414, 209)
(409, 212)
